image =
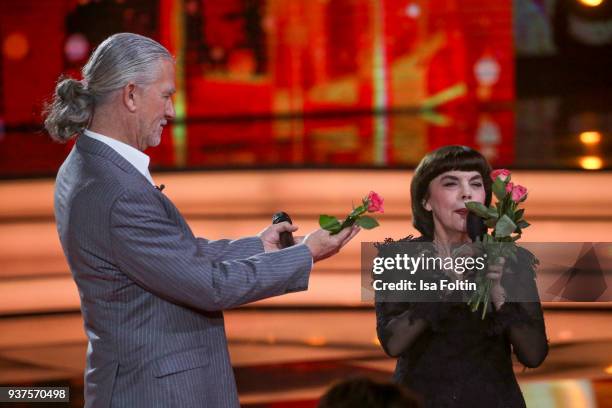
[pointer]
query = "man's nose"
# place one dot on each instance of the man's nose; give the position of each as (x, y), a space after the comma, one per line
(170, 112)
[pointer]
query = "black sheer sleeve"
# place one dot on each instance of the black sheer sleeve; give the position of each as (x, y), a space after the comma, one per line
(397, 326)
(523, 322)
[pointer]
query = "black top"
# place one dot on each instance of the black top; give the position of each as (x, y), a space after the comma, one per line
(453, 358)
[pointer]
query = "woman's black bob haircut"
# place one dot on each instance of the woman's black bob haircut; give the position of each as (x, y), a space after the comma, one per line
(446, 158)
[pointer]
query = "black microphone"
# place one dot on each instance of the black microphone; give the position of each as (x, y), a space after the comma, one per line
(475, 226)
(285, 238)
(160, 187)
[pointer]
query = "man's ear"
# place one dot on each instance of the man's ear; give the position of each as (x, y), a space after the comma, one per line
(129, 96)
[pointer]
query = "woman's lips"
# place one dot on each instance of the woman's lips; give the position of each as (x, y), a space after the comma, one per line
(462, 211)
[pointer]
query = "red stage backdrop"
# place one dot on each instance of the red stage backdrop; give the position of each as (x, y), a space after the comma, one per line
(449, 62)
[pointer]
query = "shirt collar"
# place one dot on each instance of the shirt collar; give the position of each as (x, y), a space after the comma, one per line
(134, 156)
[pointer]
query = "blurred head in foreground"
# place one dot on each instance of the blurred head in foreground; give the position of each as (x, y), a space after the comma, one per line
(362, 392)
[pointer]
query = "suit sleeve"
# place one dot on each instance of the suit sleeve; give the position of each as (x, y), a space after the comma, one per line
(227, 250)
(156, 253)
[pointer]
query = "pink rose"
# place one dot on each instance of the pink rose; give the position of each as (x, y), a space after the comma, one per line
(502, 174)
(509, 187)
(519, 193)
(375, 202)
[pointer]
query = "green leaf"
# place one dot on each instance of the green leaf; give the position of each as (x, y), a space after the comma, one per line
(523, 224)
(491, 222)
(492, 212)
(504, 227)
(519, 214)
(329, 222)
(358, 211)
(367, 222)
(499, 189)
(478, 209)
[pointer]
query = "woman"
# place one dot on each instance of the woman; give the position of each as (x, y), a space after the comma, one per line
(447, 353)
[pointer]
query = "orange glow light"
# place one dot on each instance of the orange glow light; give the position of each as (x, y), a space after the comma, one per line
(316, 341)
(608, 369)
(590, 138)
(16, 46)
(591, 162)
(591, 3)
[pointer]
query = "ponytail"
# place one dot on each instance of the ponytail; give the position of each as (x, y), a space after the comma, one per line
(70, 111)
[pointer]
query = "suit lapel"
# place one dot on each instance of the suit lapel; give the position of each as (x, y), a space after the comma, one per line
(95, 147)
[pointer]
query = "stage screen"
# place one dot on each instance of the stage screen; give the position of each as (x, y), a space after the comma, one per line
(275, 82)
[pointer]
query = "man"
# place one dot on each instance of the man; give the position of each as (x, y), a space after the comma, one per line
(151, 292)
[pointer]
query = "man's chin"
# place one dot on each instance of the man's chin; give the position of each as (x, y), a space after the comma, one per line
(155, 141)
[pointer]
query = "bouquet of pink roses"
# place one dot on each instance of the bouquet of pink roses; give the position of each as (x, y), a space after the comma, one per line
(507, 222)
(372, 203)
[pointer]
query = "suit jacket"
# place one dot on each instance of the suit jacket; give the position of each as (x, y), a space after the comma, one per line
(151, 292)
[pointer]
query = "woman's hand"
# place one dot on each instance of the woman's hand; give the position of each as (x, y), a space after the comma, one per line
(498, 294)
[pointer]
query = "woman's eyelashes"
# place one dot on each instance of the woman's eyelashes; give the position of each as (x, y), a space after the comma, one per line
(450, 184)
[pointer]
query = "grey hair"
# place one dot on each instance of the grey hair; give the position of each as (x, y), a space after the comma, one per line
(118, 60)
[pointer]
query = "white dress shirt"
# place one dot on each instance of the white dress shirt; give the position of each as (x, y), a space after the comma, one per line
(136, 158)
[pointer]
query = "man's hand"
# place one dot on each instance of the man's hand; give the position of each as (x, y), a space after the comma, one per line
(270, 236)
(323, 245)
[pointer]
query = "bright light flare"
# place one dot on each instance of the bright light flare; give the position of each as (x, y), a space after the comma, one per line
(590, 138)
(591, 162)
(590, 3)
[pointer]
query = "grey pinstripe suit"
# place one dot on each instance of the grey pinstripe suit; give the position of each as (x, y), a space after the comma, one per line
(151, 292)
